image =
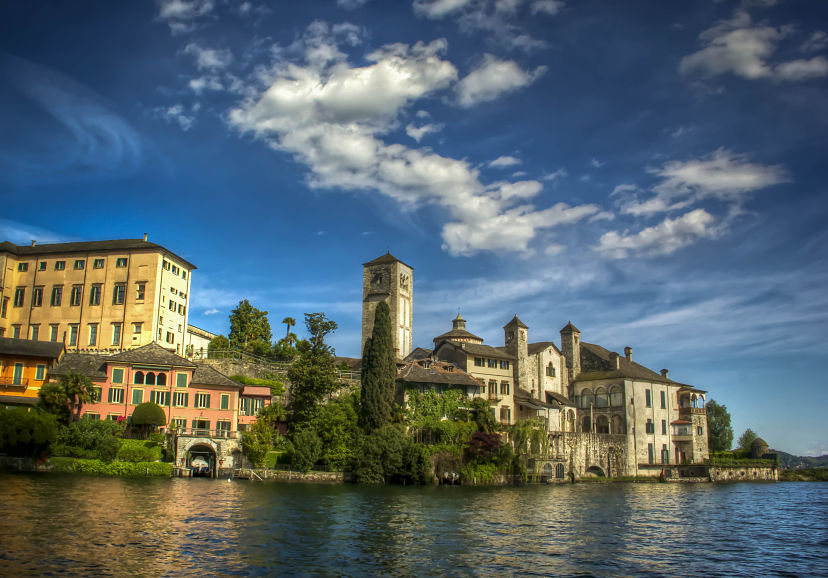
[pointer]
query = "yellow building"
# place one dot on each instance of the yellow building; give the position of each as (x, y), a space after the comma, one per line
(96, 295)
(24, 368)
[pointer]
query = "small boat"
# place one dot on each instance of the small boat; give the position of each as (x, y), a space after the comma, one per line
(200, 467)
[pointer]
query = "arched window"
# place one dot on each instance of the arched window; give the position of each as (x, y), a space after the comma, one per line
(559, 471)
(570, 421)
(550, 370)
(585, 425)
(150, 378)
(618, 424)
(586, 398)
(161, 379)
(616, 396)
(601, 397)
(602, 424)
(138, 377)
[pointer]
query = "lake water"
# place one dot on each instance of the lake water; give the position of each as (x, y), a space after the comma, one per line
(150, 527)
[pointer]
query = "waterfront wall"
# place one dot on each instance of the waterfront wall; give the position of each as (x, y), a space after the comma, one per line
(743, 473)
(291, 476)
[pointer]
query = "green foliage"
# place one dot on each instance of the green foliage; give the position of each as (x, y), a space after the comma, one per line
(289, 322)
(379, 370)
(78, 390)
(148, 414)
(139, 451)
(307, 448)
(381, 458)
(479, 473)
(283, 350)
(261, 438)
(217, 344)
(337, 426)
(484, 418)
(417, 464)
(319, 327)
(274, 413)
(719, 430)
(746, 439)
(89, 438)
(26, 433)
(100, 468)
(313, 378)
(52, 399)
(483, 447)
(276, 386)
(248, 325)
(804, 475)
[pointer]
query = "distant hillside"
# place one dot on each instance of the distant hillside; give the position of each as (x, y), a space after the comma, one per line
(792, 462)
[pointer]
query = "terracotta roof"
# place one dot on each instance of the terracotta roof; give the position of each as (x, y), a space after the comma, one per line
(418, 353)
(570, 327)
(602, 357)
(534, 348)
(387, 258)
(115, 245)
(27, 348)
(681, 422)
(256, 391)
(428, 371)
(152, 354)
(481, 350)
(92, 366)
(458, 334)
(516, 321)
(18, 400)
(206, 375)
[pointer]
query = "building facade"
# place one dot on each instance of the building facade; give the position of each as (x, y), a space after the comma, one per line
(24, 368)
(388, 279)
(95, 296)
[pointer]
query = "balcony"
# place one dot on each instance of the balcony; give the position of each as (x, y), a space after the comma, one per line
(12, 383)
(207, 433)
(689, 411)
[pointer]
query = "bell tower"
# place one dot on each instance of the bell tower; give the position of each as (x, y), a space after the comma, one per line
(388, 279)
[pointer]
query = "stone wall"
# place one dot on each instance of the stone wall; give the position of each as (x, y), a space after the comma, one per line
(237, 367)
(291, 476)
(743, 474)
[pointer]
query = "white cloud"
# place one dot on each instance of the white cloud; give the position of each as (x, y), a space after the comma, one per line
(181, 15)
(333, 117)
(418, 132)
(739, 47)
(722, 175)
(175, 114)
(816, 42)
(351, 4)
(436, 9)
(209, 58)
(212, 311)
(504, 161)
(596, 163)
(558, 175)
(24, 234)
(202, 83)
(493, 78)
(551, 7)
(667, 237)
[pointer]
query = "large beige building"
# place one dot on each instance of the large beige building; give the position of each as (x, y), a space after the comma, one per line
(95, 296)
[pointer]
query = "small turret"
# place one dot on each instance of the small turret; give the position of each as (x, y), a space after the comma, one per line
(571, 348)
(516, 337)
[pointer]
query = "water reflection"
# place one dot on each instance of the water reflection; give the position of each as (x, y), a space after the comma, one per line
(146, 527)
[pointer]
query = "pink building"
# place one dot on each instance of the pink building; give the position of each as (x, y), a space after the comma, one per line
(196, 398)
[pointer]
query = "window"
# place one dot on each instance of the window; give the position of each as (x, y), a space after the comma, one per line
(60, 265)
(118, 293)
(34, 332)
(252, 406)
(75, 297)
(173, 291)
(95, 294)
(179, 423)
(700, 430)
(479, 362)
(93, 416)
(649, 398)
(665, 454)
(504, 388)
(506, 414)
(16, 331)
(22, 267)
(150, 378)
(202, 400)
(650, 426)
(492, 388)
(93, 334)
(73, 334)
(138, 378)
(2, 331)
(664, 427)
(137, 328)
(183, 274)
(19, 296)
(116, 395)
(57, 296)
(41, 266)
(113, 417)
(98, 264)
(492, 363)
(170, 337)
(222, 428)
(504, 364)
(649, 453)
(137, 396)
(140, 290)
(180, 399)
(117, 375)
(181, 380)
(37, 297)
(40, 372)
(550, 370)
(160, 397)
(79, 263)
(96, 395)
(121, 262)
(161, 379)
(53, 332)
(225, 401)
(17, 376)
(5, 309)
(663, 400)
(116, 333)
(171, 306)
(181, 309)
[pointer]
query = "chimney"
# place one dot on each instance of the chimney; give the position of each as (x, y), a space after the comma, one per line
(628, 353)
(34, 242)
(615, 360)
(664, 373)
(145, 237)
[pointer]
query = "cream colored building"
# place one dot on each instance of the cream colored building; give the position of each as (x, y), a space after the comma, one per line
(196, 342)
(95, 296)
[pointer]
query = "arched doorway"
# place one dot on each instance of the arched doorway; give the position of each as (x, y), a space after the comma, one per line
(595, 470)
(201, 459)
(559, 471)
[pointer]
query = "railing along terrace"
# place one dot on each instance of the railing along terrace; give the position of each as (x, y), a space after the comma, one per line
(12, 382)
(207, 433)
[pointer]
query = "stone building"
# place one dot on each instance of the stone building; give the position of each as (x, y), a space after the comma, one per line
(388, 279)
(95, 296)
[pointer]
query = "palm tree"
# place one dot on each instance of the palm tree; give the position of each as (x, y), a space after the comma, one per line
(78, 390)
(290, 322)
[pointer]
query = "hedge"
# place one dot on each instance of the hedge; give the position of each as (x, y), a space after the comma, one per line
(99, 468)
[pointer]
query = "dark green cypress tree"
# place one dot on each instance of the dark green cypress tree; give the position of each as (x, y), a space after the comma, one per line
(379, 370)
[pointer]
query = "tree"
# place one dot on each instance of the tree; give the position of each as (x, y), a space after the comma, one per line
(290, 322)
(746, 439)
(218, 345)
(719, 430)
(307, 447)
(88, 438)
(258, 440)
(26, 433)
(52, 399)
(319, 327)
(147, 416)
(379, 370)
(247, 325)
(337, 425)
(313, 376)
(78, 390)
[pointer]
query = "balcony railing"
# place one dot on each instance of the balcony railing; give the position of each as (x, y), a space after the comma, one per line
(692, 411)
(11, 382)
(207, 433)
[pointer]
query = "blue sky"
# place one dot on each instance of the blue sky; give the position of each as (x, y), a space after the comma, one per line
(652, 171)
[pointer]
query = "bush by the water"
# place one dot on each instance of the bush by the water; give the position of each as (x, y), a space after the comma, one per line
(139, 451)
(100, 468)
(26, 433)
(88, 438)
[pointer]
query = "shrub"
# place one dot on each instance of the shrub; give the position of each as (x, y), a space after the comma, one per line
(276, 386)
(26, 433)
(307, 448)
(99, 468)
(139, 451)
(148, 414)
(89, 438)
